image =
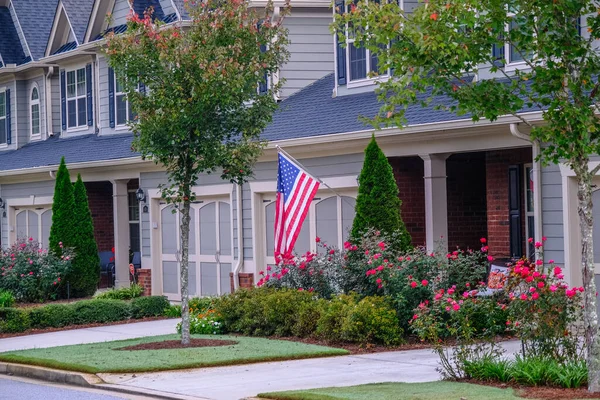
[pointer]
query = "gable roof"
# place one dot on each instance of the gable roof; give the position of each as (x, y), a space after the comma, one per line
(36, 18)
(10, 45)
(79, 12)
(78, 149)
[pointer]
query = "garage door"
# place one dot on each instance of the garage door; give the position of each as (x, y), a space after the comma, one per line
(210, 249)
(33, 223)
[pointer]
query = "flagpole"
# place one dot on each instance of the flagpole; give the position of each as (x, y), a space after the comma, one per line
(313, 175)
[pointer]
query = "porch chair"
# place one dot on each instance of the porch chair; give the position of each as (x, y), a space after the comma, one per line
(107, 267)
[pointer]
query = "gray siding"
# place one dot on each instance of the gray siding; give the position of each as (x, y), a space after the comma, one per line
(167, 6)
(22, 120)
(119, 12)
(103, 99)
(311, 49)
(23, 190)
(322, 167)
(552, 214)
(410, 5)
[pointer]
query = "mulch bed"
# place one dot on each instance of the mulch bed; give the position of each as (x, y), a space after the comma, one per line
(176, 344)
(541, 392)
(71, 327)
(355, 348)
(61, 301)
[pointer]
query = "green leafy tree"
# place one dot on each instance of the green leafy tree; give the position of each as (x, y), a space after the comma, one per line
(85, 270)
(63, 203)
(440, 48)
(201, 111)
(377, 203)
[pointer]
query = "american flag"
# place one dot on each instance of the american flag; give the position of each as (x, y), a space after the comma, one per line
(295, 191)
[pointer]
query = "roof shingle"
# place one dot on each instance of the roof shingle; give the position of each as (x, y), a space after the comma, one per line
(36, 18)
(79, 12)
(10, 45)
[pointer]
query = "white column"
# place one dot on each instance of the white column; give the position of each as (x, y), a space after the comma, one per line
(121, 226)
(436, 201)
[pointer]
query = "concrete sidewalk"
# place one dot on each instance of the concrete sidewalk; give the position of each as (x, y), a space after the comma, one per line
(90, 335)
(237, 382)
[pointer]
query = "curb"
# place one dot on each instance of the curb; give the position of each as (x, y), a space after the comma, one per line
(51, 375)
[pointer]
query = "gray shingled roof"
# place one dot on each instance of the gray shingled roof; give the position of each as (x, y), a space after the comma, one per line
(36, 18)
(79, 12)
(78, 149)
(314, 112)
(10, 45)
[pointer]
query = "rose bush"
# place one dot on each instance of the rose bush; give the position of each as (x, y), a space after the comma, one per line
(33, 274)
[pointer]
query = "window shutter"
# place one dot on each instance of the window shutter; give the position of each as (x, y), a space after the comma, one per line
(63, 100)
(514, 210)
(142, 88)
(498, 54)
(340, 49)
(7, 120)
(262, 84)
(111, 97)
(90, 106)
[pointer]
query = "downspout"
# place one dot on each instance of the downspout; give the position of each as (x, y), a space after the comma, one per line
(240, 237)
(48, 92)
(537, 180)
(96, 94)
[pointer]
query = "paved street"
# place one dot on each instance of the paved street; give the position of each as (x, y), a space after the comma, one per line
(25, 389)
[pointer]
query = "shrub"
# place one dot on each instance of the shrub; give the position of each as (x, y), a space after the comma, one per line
(52, 316)
(32, 274)
(151, 306)
(124, 293)
(544, 312)
(378, 203)
(6, 298)
(100, 310)
(206, 323)
(200, 304)
(62, 229)
(84, 275)
(14, 320)
(308, 316)
(173, 311)
(329, 325)
(371, 320)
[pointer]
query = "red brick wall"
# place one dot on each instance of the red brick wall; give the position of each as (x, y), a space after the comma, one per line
(466, 191)
(145, 280)
(246, 280)
(409, 172)
(101, 206)
(497, 163)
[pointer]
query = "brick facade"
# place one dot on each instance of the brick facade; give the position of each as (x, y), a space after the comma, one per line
(466, 191)
(409, 172)
(101, 205)
(145, 280)
(246, 280)
(497, 163)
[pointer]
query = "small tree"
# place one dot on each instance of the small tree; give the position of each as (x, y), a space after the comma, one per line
(377, 203)
(85, 270)
(202, 111)
(63, 204)
(442, 46)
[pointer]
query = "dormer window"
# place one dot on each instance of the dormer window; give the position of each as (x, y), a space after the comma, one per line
(34, 112)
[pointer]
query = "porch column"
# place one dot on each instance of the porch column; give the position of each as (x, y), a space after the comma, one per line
(121, 223)
(436, 202)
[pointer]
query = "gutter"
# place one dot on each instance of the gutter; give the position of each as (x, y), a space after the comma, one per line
(240, 237)
(537, 180)
(80, 165)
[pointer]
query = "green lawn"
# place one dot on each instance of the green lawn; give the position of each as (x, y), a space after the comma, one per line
(399, 391)
(101, 357)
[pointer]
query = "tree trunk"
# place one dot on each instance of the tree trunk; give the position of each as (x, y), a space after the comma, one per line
(185, 235)
(590, 319)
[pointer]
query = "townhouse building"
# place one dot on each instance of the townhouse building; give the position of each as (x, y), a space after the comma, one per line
(459, 181)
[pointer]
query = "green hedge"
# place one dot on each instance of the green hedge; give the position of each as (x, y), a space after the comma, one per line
(287, 312)
(13, 320)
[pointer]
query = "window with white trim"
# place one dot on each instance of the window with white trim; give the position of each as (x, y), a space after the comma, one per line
(34, 111)
(123, 111)
(3, 117)
(329, 218)
(513, 55)
(76, 98)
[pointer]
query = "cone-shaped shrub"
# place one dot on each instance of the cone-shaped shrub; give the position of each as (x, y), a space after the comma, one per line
(377, 203)
(86, 265)
(63, 204)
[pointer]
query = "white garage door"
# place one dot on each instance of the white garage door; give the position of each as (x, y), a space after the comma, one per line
(35, 224)
(210, 249)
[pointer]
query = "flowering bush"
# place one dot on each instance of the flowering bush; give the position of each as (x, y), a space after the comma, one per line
(206, 323)
(544, 311)
(31, 273)
(471, 322)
